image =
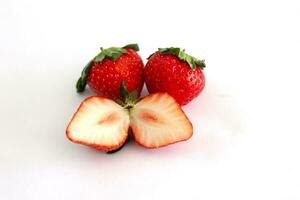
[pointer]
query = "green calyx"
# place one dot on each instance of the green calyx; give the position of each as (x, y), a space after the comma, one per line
(110, 53)
(134, 47)
(130, 98)
(190, 60)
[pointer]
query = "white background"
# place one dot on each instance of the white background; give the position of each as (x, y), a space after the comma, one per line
(246, 122)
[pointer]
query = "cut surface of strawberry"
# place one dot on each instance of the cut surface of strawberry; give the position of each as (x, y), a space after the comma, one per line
(100, 123)
(154, 121)
(157, 120)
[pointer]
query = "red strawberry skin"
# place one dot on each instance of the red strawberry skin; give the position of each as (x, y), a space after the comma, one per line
(104, 78)
(167, 73)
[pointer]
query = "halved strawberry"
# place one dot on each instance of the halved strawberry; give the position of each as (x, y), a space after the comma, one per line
(100, 123)
(157, 120)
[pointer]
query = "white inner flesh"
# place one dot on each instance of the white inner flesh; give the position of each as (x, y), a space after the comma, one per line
(169, 124)
(87, 126)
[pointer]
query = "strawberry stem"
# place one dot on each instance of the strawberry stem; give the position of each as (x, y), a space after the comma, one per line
(81, 83)
(190, 60)
(130, 98)
(134, 47)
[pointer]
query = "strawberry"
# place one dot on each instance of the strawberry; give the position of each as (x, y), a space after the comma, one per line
(173, 71)
(104, 73)
(155, 120)
(99, 123)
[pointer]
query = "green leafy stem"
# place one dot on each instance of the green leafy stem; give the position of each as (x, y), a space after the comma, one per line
(130, 99)
(191, 60)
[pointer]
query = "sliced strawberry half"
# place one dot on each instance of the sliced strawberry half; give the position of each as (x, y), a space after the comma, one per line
(157, 120)
(99, 123)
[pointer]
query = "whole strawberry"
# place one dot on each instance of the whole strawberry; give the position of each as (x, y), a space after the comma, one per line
(105, 72)
(172, 70)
